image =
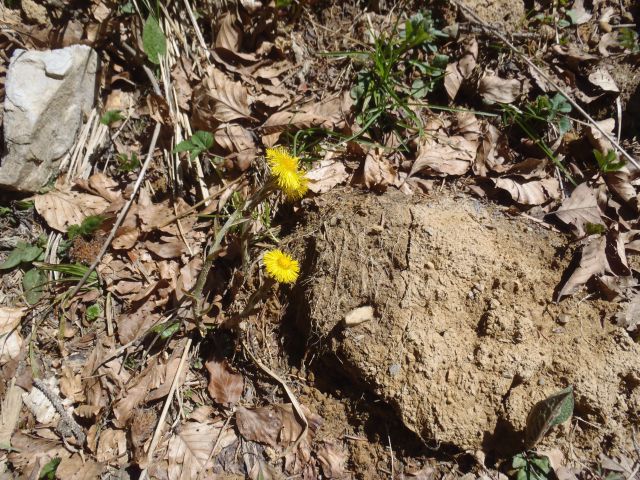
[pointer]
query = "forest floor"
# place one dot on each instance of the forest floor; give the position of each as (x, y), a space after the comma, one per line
(315, 239)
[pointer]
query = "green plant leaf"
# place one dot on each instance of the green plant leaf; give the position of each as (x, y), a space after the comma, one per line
(166, 330)
(111, 116)
(23, 253)
(93, 312)
(202, 140)
(48, 472)
(153, 40)
(184, 146)
(551, 411)
(33, 283)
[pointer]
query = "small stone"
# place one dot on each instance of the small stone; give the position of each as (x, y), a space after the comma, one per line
(429, 265)
(563, 319)
(479, 287)
(394, 369)
(541, 382)
(558, 330)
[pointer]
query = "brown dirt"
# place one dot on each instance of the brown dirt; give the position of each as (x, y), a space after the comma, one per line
(506, 14)
(465, 337)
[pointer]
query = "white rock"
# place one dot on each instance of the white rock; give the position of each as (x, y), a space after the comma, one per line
(47, 95)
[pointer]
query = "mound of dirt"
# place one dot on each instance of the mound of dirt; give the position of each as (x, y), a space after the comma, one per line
(465, 337)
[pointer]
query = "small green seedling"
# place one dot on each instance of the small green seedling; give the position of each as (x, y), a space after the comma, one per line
(48, 472)
(33, 283)
(628, 39)
(553, 410)
(93, 312)
(166, 330)
(199, 143)
(153, 40)
(529, 466)
(127, 164)
(609, 162)
(87, 228)
(110, 117)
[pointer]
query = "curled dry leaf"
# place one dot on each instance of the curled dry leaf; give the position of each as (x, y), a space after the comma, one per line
(190, 449)
(229, 35)
(172, 248)
(598, 140)
(579, 14)
(326, 174)
(101, 185)
(378, 173)
(573, 55)
(628, 316)
(580, 209)
(494, 89)
(63, 208)
(333, 459)
(78, 468)
(604, 254)
(620, 183)
(135, 394)
(442, 155)
(112, 445)
(608, 41)
(10, 408)
(135, 324)
(10, 339)
(225, 386)
(603, 79)
(458, 71)
(536, 192)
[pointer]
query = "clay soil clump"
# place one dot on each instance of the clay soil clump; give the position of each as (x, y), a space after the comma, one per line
(465, 335)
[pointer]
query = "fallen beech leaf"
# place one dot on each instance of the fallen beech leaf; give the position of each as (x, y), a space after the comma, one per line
(112, 446)
(573, 55)
(378, 173)
(603, 79)
(10, 338)
(78, 468)
(535, 192)
(442, 155)
(63, 208)
(326, 175)
(580, 209)
(191, 448)
(598, 140)
(628, 316)
(229, 36)
(225, 387)
(620, 183)
(456, 72)
(494, 89)
(333, 459)
(174, 248)
(10, 413)
(100, 184)
(132, 325)
(224, 99)
(134, 395)
(607, 41)
(604, 254)
(29, 451)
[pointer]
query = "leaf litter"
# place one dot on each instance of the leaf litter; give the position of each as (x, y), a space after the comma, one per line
(262, 84)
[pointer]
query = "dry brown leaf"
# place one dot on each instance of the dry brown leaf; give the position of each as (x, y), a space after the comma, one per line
(31, 451)
(607, 41)
(326, 174)
(460, 70)
(620, 183)
(9, 414)
(229, 35)
(333, 459)
(10, 338)
(172, 248)
(63, 208)
(124, 408)
(190, 449)
(628, 316)
(535, 192)
(494, 89)
(78, 468)
(71, 385)
(442, 155)
(101, 185)
(603, 79)
(159, 109)
(134, 324)
(573, 55)
(222, 98)
(597, 139)
(378, 173)
(580, 209)
(112, 447)
(580, 14)
(604, 254)
(225, 387)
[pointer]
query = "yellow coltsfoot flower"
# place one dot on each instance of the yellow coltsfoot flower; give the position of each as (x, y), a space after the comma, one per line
(285, 168)
(281, 266)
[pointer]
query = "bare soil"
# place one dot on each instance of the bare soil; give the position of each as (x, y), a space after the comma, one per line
(465, 336)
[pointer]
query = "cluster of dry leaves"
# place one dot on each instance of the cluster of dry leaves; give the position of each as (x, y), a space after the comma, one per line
(98, 394)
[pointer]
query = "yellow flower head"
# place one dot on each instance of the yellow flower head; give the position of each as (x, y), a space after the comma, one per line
(286, 170)
(280, 266)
